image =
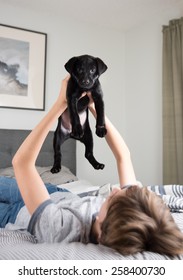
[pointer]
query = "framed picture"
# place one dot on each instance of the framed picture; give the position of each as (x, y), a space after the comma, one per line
(22, 68)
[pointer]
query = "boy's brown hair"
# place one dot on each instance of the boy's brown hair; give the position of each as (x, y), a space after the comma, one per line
(140, 221)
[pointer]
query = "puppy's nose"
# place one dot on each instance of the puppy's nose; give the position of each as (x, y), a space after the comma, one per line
(85, 82)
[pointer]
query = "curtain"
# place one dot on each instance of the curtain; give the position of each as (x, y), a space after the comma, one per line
(173, 102)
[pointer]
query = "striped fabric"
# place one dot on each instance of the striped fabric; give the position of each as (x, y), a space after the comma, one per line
(171, 194)
(15, 245)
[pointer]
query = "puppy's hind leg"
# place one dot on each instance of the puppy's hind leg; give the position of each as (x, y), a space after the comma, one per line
(57, 142)
(87, 140)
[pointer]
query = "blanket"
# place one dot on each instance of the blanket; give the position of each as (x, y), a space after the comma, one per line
(172, 195)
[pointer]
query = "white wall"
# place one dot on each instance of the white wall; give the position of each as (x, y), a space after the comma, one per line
(66, 39)
(143, 95)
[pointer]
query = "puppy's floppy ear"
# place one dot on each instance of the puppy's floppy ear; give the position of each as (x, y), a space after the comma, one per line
(102, 67)
(70, 63)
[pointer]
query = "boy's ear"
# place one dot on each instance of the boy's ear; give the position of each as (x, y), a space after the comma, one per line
(70, 64)
(102, 67)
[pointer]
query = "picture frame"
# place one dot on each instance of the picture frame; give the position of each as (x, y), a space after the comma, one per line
(22, 68)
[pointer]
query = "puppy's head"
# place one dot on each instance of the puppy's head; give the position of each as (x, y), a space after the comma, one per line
(85, 70)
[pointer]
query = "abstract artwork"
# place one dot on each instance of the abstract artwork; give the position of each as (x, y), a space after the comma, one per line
(22, 68)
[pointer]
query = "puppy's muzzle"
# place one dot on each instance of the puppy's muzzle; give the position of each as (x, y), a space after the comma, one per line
(85, 83)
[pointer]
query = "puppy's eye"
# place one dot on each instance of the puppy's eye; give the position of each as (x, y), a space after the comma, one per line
(92, 71)
(79, 70)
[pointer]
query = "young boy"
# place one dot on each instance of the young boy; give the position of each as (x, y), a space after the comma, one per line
(130, 220)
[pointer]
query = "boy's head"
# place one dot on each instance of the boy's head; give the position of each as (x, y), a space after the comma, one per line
(135, 220)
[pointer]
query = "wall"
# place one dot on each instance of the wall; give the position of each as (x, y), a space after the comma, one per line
(143, 95)
(67, 38)
(143, 102)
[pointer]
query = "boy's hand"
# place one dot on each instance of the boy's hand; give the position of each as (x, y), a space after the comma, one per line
(91, 104)
(62, 95)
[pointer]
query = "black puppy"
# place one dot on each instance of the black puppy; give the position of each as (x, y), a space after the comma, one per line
(73, 123)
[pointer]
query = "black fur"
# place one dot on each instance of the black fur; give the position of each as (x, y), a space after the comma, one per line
(73, 123)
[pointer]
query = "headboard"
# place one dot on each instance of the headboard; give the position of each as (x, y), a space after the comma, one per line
(11, 139)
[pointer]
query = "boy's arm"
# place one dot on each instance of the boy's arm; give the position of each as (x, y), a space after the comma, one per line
(31, 186)
(120, 150)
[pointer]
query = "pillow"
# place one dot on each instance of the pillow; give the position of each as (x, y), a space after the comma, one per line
(63, 177)
(85, 188)
(8, 172)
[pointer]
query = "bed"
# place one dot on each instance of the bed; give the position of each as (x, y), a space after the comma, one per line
(19, 245)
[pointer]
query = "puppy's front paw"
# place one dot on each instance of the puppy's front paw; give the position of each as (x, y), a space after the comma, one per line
(101, 131)
(77, 132)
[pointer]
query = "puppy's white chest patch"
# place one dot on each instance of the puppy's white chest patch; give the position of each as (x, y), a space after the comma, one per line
(82, 117)
(66, 123)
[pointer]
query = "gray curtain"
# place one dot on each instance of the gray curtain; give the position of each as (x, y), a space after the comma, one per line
(173, 102)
